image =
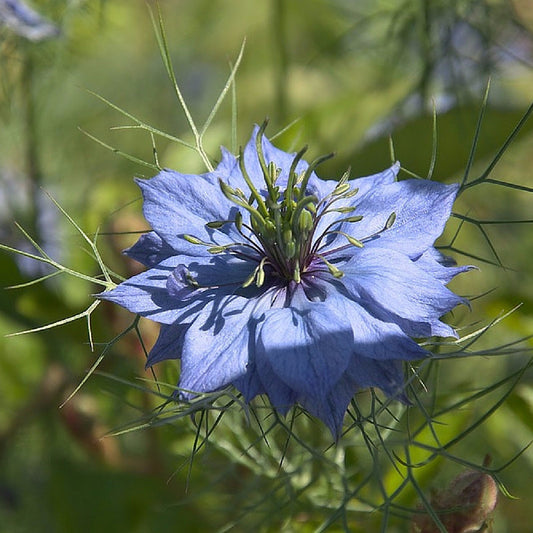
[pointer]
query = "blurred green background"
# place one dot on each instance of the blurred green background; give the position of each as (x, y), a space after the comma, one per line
(343, 75)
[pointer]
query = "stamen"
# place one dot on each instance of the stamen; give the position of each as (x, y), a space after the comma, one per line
(255, 194)
(293, 178)
(258, 275)
(341, 189)
(334, 271)
(233, 196)
(219, 249)
(388, 225)
(351, 240)
(390, 221)
(260, 278)
(238, 221)
(195, 240)
(310, 169)
(217, 224)
(326, 232)
(342, 210)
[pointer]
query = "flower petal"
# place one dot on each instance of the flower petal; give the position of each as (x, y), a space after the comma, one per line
(250, 384)
(146, 294)
(373, 338)
(393, 287)
(261, 378)
(216, 345)
(179, 204)
(168, 345)
(441, 267)
(361, 373)
(308, 347)
(365, 186)
(422, 208)
(331, 408)
(150, 250)
(223, 271)
(385, 375)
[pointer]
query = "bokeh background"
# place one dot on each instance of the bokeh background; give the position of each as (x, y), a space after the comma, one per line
(338, 75)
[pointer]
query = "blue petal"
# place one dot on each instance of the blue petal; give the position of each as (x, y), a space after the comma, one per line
(440, 266)
(250, 384)
(368, 184)
(228, 170)
(331, 408)
(261, 378)
(374, 338)
(216, 345)
(392, 286)
(365, 186)
(223, 271)
(178, 284)
(422, 208)
(147, 294)
(150, 250)
(168, 345)
(307, 348)
(179, 204)
(385, 375)
(361, 373)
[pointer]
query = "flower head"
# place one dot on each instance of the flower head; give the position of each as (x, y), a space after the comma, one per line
(267, 278)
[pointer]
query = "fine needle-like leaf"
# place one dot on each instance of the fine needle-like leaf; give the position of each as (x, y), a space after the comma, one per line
(34, 281)
(286, 128)
(140, 124)
(483, 232)
(34, 243)
(484, 178)
(229, 83)
(425, 502)
(154, 151)
(86, 313)
(125, 155)
(434, 144)
(100, 357)
(91, 243)
(160, 34)
(234, 113)
(476, 137)
(54, 264)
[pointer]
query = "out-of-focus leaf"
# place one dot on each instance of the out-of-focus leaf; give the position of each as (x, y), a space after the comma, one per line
(455, 129)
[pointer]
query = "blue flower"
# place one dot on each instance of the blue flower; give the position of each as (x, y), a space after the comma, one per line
(24, 21)
(269, 279)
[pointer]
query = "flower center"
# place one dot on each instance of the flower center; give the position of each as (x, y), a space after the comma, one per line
(281, 234)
